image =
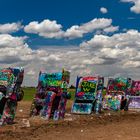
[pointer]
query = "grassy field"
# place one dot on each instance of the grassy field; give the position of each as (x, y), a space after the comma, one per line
(30, 91)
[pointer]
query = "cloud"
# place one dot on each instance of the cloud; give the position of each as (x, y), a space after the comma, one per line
(51, 29)
(118, 54)
(16, 52)
(130, 64)
(136, 7)
(118, 48)
(111, 29)
(10, 27)
(46, 28)
(103, 10)
(11, 49)
(95, 24)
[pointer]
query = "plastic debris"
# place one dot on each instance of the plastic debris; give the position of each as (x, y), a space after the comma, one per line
(20, 110)
(25, 123)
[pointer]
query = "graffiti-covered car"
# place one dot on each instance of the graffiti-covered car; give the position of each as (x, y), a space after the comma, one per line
(51, 96)
(88, 96)
(10, 93)
(134, 98)
(135, 90)
(118, 90)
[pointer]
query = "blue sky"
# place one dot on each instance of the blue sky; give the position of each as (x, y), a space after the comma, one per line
(85, 37)
(66, 13)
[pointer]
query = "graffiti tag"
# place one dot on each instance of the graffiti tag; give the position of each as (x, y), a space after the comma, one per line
(88, 86)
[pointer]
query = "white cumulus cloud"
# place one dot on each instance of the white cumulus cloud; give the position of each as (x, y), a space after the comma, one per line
(14, 49)
(136, 7)
(51, 29)
(10, 27)
(103, 10)
(95, 24)
(108, 55)
(46, 28)
(111, 29)
(118, 48)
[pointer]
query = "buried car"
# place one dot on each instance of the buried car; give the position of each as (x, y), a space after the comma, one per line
(134, 98)
(88, 96)
(135, 90)
(51, 97)
(10, 93)
(117, 95)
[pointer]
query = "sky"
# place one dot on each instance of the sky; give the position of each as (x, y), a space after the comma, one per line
(86, 37)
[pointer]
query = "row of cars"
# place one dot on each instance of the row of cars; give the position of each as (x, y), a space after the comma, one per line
(91, 95)
(52, 94)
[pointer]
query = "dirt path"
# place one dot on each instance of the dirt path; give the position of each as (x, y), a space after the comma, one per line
(114, 126)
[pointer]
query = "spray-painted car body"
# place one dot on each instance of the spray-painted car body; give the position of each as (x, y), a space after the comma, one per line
(10, 93)
(51, 97)
(135, 90)
(116, 89)
(134, 98)
(88, 94)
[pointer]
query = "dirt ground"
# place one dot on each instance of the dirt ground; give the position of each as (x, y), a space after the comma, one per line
(106, 126)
